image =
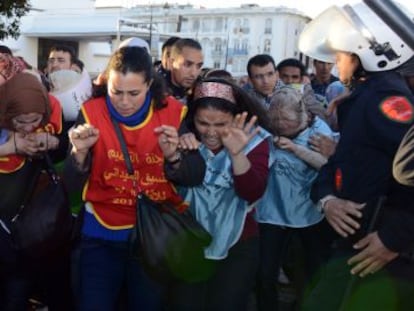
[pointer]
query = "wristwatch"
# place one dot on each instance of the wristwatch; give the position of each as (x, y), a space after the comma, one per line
(322, 202)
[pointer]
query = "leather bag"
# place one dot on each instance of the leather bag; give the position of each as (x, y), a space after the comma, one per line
(43, 223)
(170, 244)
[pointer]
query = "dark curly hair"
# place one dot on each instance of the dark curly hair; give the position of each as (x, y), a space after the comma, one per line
(134, 59)
(244, 103)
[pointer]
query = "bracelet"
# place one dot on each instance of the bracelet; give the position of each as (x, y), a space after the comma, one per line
(176, 160)
(322, 202)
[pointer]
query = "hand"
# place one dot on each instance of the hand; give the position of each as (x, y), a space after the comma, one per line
(322, 144)
(45, 141)
(25, 144)
(168, 140)
(285, 143)
(372, 257)
(237, 136)
(188, 141)
(83, 137)
(340, 215)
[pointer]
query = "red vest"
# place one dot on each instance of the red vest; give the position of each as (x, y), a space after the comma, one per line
(14, 162)
(110, 191)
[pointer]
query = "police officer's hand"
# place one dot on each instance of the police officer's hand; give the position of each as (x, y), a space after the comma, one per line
(341, 215)
(372, 257)
(322, 144)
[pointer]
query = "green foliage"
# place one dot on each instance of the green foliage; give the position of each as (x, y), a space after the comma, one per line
(10, 15)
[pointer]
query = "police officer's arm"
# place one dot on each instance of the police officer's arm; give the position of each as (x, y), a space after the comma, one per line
(388, 125)
(403, 166)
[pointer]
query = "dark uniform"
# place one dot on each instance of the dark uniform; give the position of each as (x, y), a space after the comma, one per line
(372, 123)
(178, 92)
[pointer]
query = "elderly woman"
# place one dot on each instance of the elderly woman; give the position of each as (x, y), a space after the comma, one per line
(33, 124)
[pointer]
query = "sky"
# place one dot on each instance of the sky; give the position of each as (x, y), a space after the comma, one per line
(309, 7)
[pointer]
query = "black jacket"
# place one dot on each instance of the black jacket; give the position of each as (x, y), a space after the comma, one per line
(361, 168)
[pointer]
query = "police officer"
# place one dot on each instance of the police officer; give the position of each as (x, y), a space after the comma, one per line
(366, 271)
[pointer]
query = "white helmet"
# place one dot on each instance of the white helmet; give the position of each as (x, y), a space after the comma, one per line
(356, 29)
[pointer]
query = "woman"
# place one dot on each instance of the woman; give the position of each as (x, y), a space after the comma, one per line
(34, 125)
(135, 100)
(286, 208)
(222, 117)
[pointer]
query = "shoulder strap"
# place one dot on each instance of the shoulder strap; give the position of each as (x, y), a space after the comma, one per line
(46, 164)
(124, 147)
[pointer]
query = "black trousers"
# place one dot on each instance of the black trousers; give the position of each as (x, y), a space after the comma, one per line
(274, 241)
(19, 276)
(391, 289)
(228, 288)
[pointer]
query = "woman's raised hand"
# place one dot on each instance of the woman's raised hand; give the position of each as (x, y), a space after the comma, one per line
(168, 140)
(237, 136)
(83, 137)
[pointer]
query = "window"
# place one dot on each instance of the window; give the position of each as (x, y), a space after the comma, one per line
(237, 26)
(216, 64)
(218, 24)
(217, 45)
(196, 25)
(236, 45)
(245, 26)
(268, 26)
(266, 46)
(206, 25)
(245, 44)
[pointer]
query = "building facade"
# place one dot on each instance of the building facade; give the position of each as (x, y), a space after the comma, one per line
(229, 36)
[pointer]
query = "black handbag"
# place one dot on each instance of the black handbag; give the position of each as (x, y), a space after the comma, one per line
(170, 244)
(43, 223)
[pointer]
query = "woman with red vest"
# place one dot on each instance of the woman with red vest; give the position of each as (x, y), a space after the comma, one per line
(33, 122)
(135, 100)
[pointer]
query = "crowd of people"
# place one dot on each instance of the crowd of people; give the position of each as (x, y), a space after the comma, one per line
(284, 154)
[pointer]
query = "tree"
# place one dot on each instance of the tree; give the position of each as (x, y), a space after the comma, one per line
(10, 14)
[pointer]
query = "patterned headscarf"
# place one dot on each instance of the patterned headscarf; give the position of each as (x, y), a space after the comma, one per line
(10, 66)
(214, 89)
(22, 94)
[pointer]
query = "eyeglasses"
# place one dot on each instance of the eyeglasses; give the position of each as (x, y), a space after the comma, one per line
(262, 76)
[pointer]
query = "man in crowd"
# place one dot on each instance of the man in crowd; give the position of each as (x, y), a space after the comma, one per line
(263, 77)
(292, 72)
(186, 61)
(322, 77)
(60, 57)
(165, 55)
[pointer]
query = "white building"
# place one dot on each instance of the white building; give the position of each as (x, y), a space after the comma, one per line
(229, 36)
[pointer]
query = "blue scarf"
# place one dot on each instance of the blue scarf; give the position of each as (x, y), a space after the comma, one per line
(133, 119)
